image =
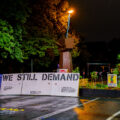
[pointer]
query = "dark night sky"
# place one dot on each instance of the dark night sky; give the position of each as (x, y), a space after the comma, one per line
(98, 20)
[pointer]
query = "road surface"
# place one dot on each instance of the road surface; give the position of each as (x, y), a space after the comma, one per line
(58, 108)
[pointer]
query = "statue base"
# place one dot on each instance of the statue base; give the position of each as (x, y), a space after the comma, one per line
(66, 60)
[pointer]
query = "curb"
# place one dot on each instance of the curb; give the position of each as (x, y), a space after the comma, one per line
(86, 92)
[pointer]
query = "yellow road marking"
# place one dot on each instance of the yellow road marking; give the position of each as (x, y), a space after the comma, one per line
(11, 109)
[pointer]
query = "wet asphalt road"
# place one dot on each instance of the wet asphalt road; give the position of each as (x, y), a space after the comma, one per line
(58, 108)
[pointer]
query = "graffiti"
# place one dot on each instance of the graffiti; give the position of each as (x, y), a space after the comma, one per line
(68, 89)
(7, 88)
(35, 92)
(26, 76)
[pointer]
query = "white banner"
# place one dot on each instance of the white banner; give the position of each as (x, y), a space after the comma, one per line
(65, 84)
(60, 84)
(10, 85)
(34, 85)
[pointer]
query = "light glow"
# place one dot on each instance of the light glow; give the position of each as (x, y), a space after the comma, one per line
(70, 11)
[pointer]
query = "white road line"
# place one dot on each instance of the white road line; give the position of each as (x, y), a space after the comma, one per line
(114, 115)
(63, 110)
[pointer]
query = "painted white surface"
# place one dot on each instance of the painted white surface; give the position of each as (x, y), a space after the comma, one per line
(58, 84)
(11, 86)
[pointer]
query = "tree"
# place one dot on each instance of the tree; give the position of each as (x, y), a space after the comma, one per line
(35, 26)
(13, 15)
(15, 12)
(117, 68)
(33, 29)
(9, 46)
(80, 53)
(44, 28)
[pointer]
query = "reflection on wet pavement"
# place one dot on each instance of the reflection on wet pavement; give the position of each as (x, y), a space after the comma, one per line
(97, 110)
(36, 106)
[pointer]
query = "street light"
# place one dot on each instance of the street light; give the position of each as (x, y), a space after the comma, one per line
(70, 11)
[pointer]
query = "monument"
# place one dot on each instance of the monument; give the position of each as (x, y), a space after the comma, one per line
(65, 61)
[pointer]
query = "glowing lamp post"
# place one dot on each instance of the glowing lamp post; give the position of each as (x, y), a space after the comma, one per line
(70, 11)
(65, 61)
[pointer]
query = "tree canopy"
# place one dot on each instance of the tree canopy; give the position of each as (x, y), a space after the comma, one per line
(9, 46)
(30, 29)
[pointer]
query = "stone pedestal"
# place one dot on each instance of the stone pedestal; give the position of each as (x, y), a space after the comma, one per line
(66, 60)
